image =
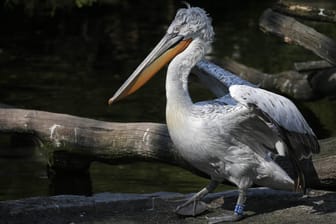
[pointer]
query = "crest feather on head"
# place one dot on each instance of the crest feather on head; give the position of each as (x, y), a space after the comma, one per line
(192, 22)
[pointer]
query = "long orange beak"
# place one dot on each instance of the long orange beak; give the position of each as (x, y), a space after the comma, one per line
(162, 54)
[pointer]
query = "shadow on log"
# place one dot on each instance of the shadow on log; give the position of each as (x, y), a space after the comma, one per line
(323, 82)
(116, 143)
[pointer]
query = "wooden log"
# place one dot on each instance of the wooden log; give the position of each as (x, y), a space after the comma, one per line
(60, 131)
(301, 86)
(305, 11)
(293, 31)
(308, 66)
(109, 142)
(290, 83)
(116, 143)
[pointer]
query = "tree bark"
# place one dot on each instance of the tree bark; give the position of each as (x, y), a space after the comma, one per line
(94, 140)
(290, 83)
(116, 143)
(305, 11)
(293, 31)
(314, 83)
(312, 66)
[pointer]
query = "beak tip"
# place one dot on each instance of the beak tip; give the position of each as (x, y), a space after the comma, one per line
(110, 101)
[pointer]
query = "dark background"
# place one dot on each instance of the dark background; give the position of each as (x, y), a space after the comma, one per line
(69, 59)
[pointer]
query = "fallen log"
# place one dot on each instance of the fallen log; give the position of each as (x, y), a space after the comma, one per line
(293, 31)
(290, 83)
(314, 83)
(312, 65)
(116, 143)
(305, 11)
(92, 140)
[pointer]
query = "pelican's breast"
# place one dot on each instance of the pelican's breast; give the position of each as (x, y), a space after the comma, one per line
(199, 132)
(186, 132)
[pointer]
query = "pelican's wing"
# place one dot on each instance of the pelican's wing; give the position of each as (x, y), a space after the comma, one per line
(235, 124)
(276, 109)
(283, 114)
(217, 79)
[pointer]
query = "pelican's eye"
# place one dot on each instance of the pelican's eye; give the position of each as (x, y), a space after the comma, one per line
(177, 29)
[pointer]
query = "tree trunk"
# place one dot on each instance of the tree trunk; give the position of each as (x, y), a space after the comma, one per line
(293, 31)
(305, 11)
(115, 143)
(290, 83)
(312, 66)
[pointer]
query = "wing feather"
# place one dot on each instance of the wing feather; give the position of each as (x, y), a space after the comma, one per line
(281, 112)
(217, 79)
(275, 109)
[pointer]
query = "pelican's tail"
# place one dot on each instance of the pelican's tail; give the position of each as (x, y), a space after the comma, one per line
(299, 180)
(276, 178)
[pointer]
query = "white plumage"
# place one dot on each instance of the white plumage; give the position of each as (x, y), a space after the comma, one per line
(234, 137)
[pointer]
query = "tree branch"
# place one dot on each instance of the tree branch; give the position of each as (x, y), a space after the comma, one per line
(293, 31)
(109, 142)
(290, 83)
(312, 66)
(305, 11)
(115, 143)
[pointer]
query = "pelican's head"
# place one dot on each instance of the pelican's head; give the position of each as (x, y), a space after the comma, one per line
(192, 23)
(189, 24)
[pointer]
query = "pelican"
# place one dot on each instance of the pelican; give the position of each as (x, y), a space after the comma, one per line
(235, 137)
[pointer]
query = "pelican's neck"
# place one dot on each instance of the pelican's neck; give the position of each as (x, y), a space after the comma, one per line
(178, 72)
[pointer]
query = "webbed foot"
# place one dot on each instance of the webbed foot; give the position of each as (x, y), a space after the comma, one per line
(191, 209)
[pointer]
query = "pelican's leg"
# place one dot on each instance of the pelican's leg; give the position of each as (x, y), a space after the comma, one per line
(238, 213)
(193, 206)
